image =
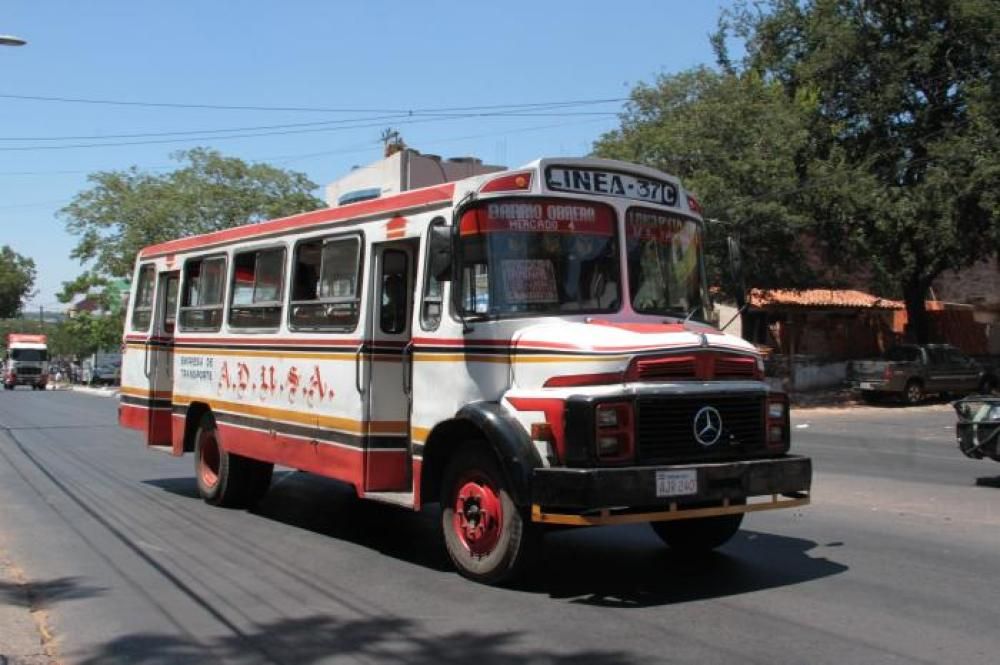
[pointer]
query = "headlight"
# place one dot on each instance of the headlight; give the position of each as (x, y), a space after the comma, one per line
(775, 409)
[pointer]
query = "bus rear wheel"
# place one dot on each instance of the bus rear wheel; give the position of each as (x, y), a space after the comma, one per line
(224, 478)
(488, 538)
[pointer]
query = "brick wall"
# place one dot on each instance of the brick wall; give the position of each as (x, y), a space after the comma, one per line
(978, 285)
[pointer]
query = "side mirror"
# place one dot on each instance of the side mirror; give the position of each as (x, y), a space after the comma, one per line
(736, 270)
(440, 252)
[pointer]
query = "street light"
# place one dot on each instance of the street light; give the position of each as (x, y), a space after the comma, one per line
(11, 40)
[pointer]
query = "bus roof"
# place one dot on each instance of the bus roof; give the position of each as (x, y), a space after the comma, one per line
(398, 202)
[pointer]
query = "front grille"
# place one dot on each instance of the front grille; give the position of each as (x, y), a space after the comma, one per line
(665, 428)
(735, 367)
(28, 371)
(665, 368)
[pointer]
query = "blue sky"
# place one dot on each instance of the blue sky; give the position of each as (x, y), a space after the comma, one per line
(360, 57)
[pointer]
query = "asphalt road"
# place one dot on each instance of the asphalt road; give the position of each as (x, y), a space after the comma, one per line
(897, 560)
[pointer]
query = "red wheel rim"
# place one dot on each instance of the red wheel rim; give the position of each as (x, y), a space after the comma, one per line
(478, 518)
(208, 459)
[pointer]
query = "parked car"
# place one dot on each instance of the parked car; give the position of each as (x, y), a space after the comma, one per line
(912, 371)
(978, 429)
(105, 374)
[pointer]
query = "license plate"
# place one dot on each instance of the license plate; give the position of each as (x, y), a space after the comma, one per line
(867, 386)
(676, 483)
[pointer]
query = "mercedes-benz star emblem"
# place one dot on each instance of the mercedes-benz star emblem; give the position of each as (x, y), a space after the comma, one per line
(707, 425)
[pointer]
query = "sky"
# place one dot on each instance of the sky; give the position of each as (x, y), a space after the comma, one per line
(316, 83)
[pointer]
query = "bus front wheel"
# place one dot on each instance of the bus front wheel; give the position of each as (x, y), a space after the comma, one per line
(488, 538)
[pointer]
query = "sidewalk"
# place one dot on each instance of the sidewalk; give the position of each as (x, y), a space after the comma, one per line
(24, 637)
(829, 398)
(102, 391)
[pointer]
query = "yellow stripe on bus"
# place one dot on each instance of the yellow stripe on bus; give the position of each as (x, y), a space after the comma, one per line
(298, 417)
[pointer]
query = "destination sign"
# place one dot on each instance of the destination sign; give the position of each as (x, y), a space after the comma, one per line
(610, 183)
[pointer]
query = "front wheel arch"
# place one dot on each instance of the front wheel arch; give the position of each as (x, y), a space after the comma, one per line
(489, 423)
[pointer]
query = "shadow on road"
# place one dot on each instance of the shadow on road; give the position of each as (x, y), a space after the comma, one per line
(321, 638)
(988, 481)
(628, 567)
(42, 594)
(625, 566)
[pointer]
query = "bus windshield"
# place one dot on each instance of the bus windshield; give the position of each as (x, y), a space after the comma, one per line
(539, 256)
(664, 263)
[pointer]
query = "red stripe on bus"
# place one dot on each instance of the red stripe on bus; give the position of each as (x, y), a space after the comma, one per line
(332, 461)
(418, 197)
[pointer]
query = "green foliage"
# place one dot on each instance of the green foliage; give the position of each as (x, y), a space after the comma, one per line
(17, 277)
(871, 127)
(125, 211)
(85, 334)
(907, 93)
(744, 147)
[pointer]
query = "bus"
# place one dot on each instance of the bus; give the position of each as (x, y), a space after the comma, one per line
(530, 348)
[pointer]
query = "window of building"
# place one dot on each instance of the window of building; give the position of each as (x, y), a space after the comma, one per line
(326, 284)
(257, 280)
(201, 304)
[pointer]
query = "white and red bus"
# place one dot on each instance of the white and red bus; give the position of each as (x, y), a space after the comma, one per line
(528, 348)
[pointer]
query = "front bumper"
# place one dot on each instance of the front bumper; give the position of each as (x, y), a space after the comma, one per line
(614, 495)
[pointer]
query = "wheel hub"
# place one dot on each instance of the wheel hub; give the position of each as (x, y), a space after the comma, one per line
(208, 460)
(478, 518)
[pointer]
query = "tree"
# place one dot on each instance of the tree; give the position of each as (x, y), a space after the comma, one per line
(907, 93)
(125, 211)
(17, 278)
(745, 148)
(85, 334)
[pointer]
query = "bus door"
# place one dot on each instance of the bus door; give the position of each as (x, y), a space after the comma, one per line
(159, 366)
(389, 358)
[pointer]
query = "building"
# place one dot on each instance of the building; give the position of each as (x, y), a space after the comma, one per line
(402, 169)
(979, 288)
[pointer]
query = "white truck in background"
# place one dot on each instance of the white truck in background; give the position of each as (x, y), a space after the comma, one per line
(27, 361)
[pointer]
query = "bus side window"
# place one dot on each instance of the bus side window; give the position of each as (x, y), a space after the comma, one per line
(326, 284)
(201, 302)
(432, 302)
(257, 280)
(142, 311)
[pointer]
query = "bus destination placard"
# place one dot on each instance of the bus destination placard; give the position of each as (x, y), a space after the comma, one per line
(610, 183)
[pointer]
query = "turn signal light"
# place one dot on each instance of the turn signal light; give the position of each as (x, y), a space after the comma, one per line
(515, 182)
(775, 435)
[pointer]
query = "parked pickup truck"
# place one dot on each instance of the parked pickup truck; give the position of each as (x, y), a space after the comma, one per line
(912, 371)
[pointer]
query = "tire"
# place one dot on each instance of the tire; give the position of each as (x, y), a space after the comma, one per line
(699, 535)
(226, 479)
(870, 397)
(913, 393)
(488, 538)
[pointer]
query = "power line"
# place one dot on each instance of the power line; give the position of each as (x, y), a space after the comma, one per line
(304, 109)
(282, 132)
(197, 132)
